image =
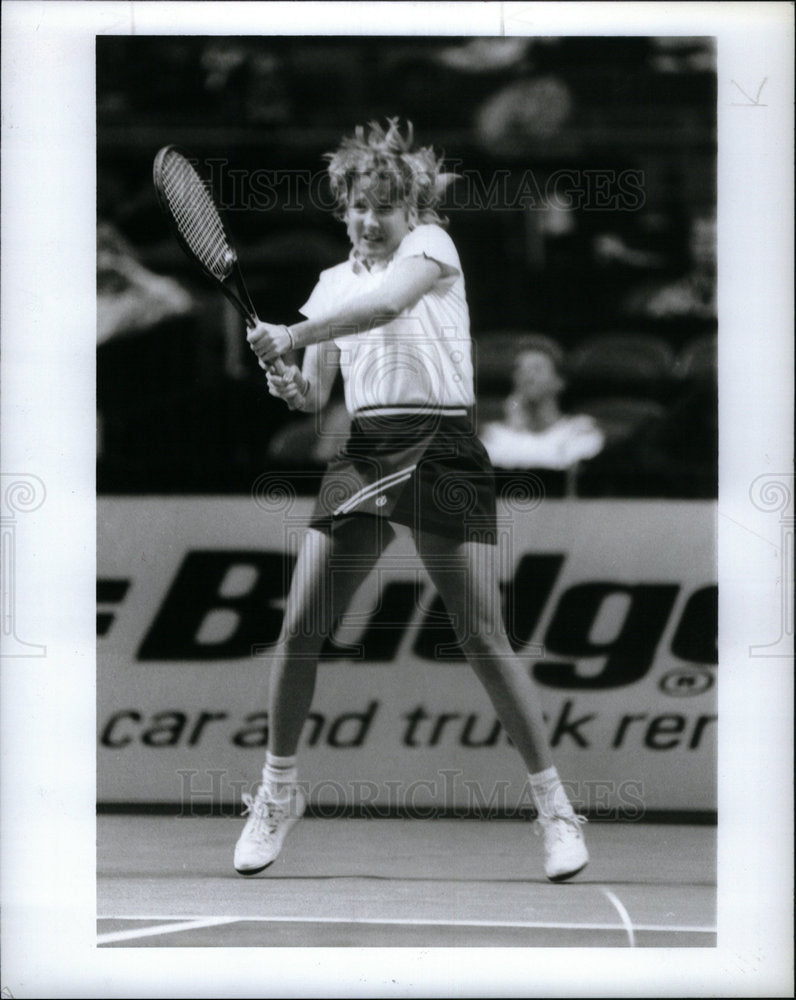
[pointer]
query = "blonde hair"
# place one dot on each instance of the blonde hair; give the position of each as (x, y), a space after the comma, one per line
(414, 175)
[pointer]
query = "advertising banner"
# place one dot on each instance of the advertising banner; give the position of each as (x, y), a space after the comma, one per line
(611, 605)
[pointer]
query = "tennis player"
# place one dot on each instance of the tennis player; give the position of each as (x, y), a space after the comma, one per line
(394, 318)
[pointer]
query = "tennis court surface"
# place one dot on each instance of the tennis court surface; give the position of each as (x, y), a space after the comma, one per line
(168, 881)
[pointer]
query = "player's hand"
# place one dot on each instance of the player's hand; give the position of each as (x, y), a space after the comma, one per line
(268, 341)
(289, 386)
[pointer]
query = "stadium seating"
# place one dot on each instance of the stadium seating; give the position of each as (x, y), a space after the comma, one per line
(698, 358)
(622, 363)
(621, 416)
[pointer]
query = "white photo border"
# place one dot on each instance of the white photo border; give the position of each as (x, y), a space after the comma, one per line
(48, 423)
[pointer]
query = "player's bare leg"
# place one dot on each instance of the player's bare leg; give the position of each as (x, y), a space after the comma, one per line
(328, 571)
(466, 576)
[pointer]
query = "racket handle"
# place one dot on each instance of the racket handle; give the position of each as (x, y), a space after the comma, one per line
(279, 368)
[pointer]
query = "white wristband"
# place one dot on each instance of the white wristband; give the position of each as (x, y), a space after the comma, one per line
(289, 332)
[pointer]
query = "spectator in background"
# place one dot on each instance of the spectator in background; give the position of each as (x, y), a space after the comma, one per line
(695, 294)
(674, 455)
(689, 299)
(131, 298)
(131, 302)
(534, 432)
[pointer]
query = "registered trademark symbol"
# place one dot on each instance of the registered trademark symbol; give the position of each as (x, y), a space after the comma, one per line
(685, 683)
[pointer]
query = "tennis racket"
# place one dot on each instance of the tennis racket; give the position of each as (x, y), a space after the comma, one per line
(197, 225)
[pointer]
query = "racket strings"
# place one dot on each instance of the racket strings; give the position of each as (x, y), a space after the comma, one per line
(195, 214)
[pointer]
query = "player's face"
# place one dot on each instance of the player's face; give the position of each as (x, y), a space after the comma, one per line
(535, 376)
(375, 221)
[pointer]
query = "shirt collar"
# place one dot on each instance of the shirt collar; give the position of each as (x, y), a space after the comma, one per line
(358, 265)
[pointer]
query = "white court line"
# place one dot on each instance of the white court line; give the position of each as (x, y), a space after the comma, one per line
(172, 928)
(188, 923)
(624, 915)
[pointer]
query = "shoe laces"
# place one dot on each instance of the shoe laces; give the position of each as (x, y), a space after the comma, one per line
(560, 828)
(266, 812)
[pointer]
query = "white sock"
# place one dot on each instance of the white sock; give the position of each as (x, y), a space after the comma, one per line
(549, 795)
(279, 772)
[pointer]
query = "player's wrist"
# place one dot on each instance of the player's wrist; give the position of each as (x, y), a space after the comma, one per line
(303, 334)
(290, 336)
(302, 401)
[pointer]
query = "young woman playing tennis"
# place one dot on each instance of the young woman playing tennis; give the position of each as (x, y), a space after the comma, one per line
(394, 318)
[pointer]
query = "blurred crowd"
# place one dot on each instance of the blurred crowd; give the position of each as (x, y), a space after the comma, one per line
(584, 216)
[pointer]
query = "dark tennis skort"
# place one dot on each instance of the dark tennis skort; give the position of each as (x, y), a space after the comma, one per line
(427, 471)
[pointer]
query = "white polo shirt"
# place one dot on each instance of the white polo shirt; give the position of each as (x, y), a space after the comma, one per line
(423, 357)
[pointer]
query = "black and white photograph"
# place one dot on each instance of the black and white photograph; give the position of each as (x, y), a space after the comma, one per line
(397, 499)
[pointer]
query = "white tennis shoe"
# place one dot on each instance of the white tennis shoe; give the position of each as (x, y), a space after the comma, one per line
(271, 818)
(564, 846)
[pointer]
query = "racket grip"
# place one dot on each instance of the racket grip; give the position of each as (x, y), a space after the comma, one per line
(280, 368)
